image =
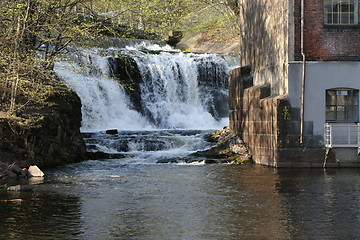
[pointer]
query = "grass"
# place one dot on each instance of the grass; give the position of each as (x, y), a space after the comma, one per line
(214, 25)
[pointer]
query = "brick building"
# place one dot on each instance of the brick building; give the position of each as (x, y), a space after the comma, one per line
(295, 101)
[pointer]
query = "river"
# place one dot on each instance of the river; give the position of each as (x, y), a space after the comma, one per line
(109, 200)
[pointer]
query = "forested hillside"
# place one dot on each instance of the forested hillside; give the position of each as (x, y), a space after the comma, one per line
(34, 32)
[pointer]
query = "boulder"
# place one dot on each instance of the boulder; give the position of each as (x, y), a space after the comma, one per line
(34, 171)
(3, 167)
(112, 131)
(45, 133)
(10, 174)
(228, 148)
(24, 173)
(14, 167)
(19, 188)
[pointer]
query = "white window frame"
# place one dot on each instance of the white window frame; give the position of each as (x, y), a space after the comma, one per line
(339, 12)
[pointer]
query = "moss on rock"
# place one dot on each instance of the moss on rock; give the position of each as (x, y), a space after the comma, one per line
(45, 133)
(228, 146)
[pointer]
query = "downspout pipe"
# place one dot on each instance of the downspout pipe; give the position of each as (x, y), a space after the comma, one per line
(302, 110)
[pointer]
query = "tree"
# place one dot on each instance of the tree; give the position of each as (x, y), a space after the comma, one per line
(33, 32)
(155, 16)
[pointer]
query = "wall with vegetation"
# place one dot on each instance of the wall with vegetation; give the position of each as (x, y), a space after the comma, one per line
(269, 127)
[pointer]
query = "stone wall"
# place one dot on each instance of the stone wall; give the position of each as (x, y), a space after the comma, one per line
(269, 127)
(264, 41)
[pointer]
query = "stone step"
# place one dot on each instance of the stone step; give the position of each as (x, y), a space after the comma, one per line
(293, 127)
(309, 141)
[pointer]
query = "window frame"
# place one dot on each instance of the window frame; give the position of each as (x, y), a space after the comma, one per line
(338, 10)
(344, 109)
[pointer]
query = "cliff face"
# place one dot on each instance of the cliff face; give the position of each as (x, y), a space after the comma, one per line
(46, 134)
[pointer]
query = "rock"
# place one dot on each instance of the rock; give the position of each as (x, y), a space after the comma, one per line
(15, 169)
(101, 155)
(125, 69)
(10, 174)
(47, 133)
(174, 37)
(228, 148)
(167, 161)
(3, 167)
(112, 131)
(24, 173)
(34, 171)
(19, 188)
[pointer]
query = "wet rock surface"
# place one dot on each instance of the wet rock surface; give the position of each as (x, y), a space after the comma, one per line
(13, 178)
(228, 148)
(13, 171)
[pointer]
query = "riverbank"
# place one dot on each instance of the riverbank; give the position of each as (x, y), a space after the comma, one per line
(43, 131)
(197, 43)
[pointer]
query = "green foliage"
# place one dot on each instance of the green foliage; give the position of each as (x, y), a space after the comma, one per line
(154, 16)
(215, 22)
(286, 113)
(34, 32)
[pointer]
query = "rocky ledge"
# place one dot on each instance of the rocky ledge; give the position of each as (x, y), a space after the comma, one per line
(45, 133)
(228, 148)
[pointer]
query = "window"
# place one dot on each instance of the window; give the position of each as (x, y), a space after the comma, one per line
(341, 12)
(342, 105)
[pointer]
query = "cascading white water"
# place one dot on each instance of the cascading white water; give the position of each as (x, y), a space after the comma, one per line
(171, 94)
(104, 102)
(172, 81)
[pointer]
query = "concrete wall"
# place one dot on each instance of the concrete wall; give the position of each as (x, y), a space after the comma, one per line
(265, 30)
(319, 77)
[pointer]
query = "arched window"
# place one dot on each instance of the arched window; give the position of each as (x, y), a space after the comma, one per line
(342, 105)
(341, 12)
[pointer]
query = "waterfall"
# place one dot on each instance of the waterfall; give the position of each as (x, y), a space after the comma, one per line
(147, 87)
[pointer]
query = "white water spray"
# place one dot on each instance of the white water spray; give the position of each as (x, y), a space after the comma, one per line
(171, 93)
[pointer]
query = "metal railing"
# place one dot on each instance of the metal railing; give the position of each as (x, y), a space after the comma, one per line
(342, 135)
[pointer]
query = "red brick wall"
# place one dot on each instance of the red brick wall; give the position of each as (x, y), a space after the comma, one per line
(324, 42)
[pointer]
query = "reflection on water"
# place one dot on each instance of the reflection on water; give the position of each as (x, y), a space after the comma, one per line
(321, 205)
(105, 200)
(39, 215)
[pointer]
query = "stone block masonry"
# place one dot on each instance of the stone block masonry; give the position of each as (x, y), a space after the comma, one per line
(269, 126)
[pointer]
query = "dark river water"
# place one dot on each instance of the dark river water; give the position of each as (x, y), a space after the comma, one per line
(110, 200)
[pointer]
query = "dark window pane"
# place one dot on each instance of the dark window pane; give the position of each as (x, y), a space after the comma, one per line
(341, 100)
(340, 113)
(329, 18)
(330, 114)
(330, 98)
(328, 7)
(345, 18)
(352, 7)
(335, 18)
(344, 7)
(352, 113)
(352, 18)
(353, 98)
